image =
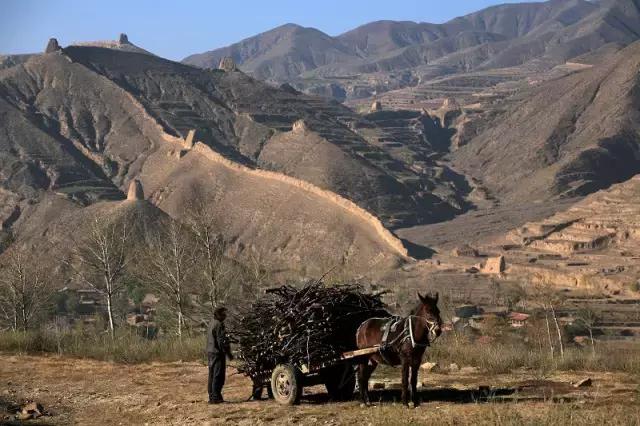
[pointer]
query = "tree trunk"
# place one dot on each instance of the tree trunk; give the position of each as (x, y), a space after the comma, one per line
(555, 320)
(180, 322)
(593, 346)
(110, 314)
(212, 279)
(23, 312)
(213, 303)
(546, 317)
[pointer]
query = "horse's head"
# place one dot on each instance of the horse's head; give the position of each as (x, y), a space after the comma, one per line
(429, 311)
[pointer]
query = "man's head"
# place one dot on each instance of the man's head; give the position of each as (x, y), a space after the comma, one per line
(220, 313)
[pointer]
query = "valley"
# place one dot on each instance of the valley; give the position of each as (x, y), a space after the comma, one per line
(493, 158)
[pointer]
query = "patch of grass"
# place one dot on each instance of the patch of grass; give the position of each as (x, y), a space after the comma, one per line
(503, 357)
(496, 357)
(496, 414)
(125, 347)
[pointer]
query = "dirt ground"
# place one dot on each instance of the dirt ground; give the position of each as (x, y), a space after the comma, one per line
(91, 392)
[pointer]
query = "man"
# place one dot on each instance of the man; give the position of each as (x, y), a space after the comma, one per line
(217, 351)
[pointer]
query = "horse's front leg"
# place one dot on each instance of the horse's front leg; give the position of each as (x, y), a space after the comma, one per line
(415, 367)
(405, 381)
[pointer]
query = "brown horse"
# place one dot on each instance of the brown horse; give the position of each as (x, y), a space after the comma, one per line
(402, 341)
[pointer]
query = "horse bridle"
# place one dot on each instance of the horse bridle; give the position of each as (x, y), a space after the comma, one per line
(431, 327)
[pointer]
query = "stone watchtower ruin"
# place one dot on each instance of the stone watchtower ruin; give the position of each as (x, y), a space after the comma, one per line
(135, 191)
(52, 46)
(227, 64)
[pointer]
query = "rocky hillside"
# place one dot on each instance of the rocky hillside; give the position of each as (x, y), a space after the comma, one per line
(286, 174)
(566, 137)
(281, 53)
(594, 245)
(7, 61)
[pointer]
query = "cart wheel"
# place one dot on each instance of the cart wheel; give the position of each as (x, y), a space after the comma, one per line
(340, 382)
(286, 384)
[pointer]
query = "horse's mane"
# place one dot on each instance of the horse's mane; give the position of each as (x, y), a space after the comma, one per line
(415, 310)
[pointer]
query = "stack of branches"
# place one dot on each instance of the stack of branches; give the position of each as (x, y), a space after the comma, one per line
(311, 325)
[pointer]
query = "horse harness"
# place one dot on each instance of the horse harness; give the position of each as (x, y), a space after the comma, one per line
(392, 324)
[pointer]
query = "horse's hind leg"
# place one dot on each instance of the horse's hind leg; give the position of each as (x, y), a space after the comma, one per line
(365, 369)
(363, 385)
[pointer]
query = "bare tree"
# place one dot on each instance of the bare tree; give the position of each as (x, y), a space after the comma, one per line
(588, 318)
(100, 260)
(24, 291)
(551, 307)
(223, 279)
(546, 319)
(168, 266)
(257, 275)
(219, 275)
(550, 298)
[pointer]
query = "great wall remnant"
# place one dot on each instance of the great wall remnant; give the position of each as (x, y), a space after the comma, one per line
(385, 235)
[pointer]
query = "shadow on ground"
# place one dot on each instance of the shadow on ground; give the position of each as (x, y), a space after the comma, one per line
(417, 251)
(462, 396)
(530, 391)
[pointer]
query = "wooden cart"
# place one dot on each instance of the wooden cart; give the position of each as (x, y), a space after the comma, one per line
(338, 376)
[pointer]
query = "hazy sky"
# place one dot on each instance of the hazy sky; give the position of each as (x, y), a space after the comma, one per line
(175, 29)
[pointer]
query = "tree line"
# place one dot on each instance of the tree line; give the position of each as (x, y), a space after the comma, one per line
(184, 264)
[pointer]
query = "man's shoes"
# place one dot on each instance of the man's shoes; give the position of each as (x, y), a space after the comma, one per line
(216, 401)
(255, 398)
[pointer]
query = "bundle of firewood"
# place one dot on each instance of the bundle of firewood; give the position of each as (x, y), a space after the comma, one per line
(311, 325)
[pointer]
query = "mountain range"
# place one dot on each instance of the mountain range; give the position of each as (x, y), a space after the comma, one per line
(523, 34)
(509, 116)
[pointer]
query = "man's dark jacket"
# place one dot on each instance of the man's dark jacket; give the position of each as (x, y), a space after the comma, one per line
(217, 342)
